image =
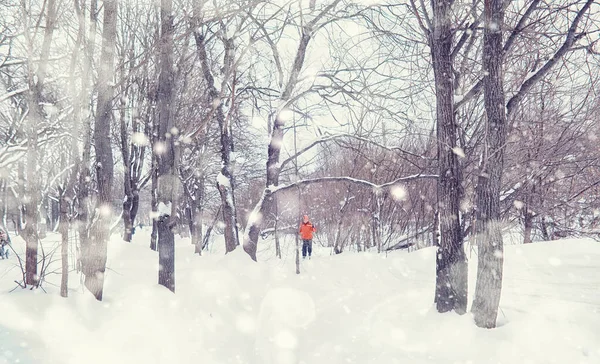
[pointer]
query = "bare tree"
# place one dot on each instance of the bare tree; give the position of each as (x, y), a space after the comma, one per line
(94, 254)
(274, 149)
(490, 252)
(225, 180)
(451, 263)
(165, 149)
(34, 120)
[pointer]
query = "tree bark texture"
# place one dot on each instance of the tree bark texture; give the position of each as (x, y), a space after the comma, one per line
(451, 263)
(33, 122)
(83, 189)
(490, 254)
(167, 176)
(94, 258)
(225, 182)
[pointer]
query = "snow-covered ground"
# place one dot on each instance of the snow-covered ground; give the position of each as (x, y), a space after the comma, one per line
(349, 308)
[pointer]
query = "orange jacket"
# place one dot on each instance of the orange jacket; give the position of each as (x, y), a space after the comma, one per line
(307, 230)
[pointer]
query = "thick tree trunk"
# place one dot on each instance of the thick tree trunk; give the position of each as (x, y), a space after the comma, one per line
(94, 260)
(489, 230)
(30, 231)
(451, 263)
(167, 172)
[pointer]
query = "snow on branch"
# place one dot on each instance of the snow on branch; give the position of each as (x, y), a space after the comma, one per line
(13, 93)
(306, 182)
(570, 40)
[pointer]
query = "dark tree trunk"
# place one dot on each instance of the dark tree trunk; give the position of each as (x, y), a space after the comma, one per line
(490, 252)
(451, 263)
(95, 260)
(167, 176)
(544, 229)
(225, 181)
(133, 161)
(127, 177)
(30, 232)
(528, 216)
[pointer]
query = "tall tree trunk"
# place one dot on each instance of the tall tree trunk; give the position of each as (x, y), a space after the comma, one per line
(274, 150)
(225, 180)
(30, 231)
(33, 121)
(83, 188)
(451, 263)
(127, 183)
(67, 194)
(489, 231)
(95, 259)
(167, 175)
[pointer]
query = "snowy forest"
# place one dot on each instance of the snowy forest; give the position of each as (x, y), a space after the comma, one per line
(179, 143)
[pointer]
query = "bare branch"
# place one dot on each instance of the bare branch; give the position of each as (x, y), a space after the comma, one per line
(571, 39)
(306, 182)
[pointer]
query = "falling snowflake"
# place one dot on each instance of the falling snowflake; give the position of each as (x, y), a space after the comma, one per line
(105, 210)
(398, 192)
(160, 148)
(140, 139)
(458, 151)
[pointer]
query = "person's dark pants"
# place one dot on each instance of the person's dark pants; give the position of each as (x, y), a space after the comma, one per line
(306, 248)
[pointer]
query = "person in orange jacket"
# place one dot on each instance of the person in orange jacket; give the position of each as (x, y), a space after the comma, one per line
(306, 233)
